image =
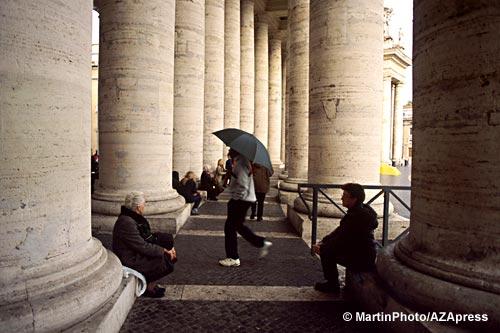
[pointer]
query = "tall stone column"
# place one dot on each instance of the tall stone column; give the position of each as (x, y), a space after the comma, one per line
(261, 82)
(385, 151)
(232, 64)
(450, 259)
(247, 82)
(397, 126)
(135, 106)
(298, 96)
(214, 81)
(274, 132)
(53, 274)
(189, 85)
(346, 95)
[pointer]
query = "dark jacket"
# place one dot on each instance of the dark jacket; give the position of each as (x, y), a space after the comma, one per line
(130, 243)
(353, 239)
(187, 190)
(261, 178)
(207, 183)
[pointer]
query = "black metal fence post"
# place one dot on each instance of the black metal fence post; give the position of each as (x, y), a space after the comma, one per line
(314, 218)
(385, 227)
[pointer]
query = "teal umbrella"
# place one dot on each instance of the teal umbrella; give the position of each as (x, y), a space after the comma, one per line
(247, 145)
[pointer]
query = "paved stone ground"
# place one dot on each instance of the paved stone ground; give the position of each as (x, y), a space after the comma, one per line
(195, 300)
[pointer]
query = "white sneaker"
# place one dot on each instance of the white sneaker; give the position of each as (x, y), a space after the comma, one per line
(264, 250)
(228, 262)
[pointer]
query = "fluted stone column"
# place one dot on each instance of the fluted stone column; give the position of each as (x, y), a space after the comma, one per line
(261, 82)
(298, 95)
(388, 106)
(189, 85)
(247, 74)
(450, 261)
(135, 106)
(345, 101)
(53, 274)
(232, 64)
(397, 126)
(274, 132)
(214, 81)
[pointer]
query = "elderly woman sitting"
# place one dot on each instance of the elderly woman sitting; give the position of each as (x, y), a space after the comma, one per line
(151, 254)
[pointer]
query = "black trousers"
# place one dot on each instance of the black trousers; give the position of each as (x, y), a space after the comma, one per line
(330, 257)
(236, 213)
(259, 204)
(165, 265)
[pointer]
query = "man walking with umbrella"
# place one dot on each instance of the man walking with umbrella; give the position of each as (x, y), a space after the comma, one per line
(242, 193)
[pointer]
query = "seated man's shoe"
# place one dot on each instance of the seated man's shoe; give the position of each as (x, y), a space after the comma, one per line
(160, 288)
(229, 262)
(156, 293)
(194, 211)
(264, 250)
(259, 219)
(327, 287)
(252, 217)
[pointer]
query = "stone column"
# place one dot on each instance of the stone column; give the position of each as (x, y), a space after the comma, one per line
(274, 132)
(385, 151)
(214, 81)
(247, 83)
(298, 95)
(346, 95)
(135, 107)
(261, 82)
(53, 274)
(450, 259)
(397, 126)
(232, 64)
(189, 85)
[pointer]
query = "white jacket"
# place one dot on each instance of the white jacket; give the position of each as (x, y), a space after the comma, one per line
(241, 186)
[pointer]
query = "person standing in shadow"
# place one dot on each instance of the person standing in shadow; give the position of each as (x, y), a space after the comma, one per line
(262, 183)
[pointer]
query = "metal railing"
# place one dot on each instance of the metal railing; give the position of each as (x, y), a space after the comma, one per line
(386, 191)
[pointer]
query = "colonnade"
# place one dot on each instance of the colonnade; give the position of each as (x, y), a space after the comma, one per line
(163, 88)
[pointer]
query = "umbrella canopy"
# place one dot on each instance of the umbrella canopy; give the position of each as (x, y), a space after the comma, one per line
(247, 145)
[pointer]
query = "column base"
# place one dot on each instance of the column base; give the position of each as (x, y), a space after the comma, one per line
(61, 293)
(283, 175)
(288, 189)
(112, 315)
(168, 222)
(402, 286)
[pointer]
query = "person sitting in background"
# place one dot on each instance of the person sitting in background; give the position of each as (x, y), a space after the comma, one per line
(352, 243)
(262, 183)
(187, 188)
(207, 183)
(220, 173)
(229, 168)
(175, 180)
(151, 254)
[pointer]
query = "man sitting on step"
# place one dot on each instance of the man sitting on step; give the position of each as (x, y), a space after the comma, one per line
(352, 243)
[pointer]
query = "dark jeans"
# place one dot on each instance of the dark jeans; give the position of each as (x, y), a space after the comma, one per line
(196, 200)
(165, 265)
(259, 204)
(330, 257)
(236, 213)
